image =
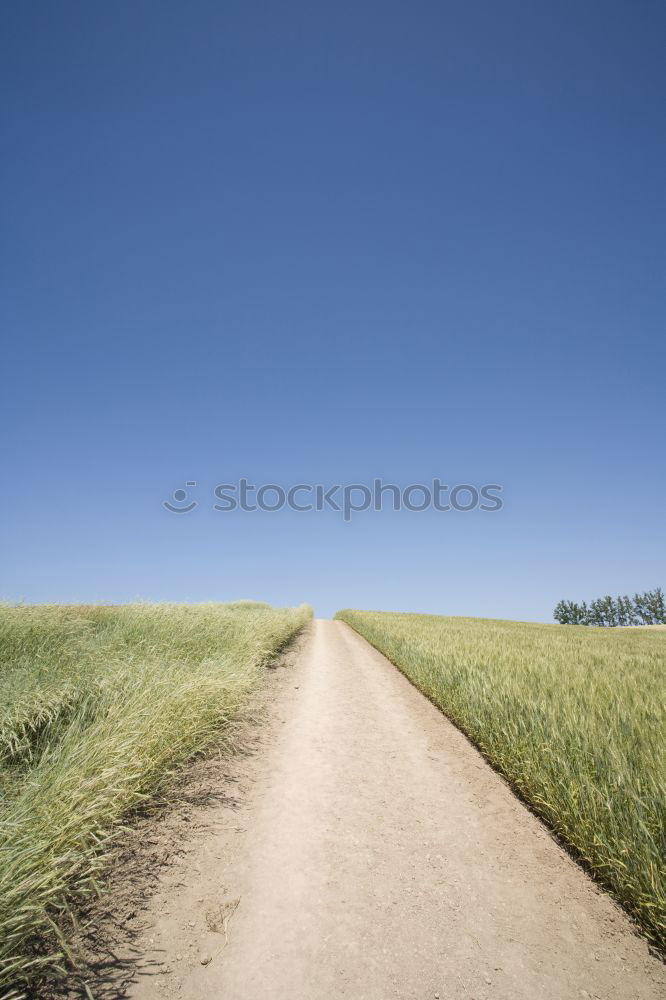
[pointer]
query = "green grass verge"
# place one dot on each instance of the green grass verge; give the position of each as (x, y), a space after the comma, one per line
(573, 716)
(98, 706)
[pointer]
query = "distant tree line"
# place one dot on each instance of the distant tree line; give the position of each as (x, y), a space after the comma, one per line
(641, 609)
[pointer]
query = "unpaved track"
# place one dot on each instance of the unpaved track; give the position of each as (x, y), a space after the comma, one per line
(379, 857)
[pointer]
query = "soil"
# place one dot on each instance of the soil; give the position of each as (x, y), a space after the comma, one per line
(358, 847)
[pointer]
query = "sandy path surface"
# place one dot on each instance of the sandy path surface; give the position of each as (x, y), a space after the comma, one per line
(373, 855)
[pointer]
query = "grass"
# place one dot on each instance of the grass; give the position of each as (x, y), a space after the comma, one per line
(573, 716)
(98, 706)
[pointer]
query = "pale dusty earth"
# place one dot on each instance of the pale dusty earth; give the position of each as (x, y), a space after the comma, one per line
(364, 849)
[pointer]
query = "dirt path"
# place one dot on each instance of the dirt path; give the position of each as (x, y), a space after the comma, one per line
(376, 855)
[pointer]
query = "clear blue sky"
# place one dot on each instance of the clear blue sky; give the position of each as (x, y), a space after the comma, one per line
(329, 242)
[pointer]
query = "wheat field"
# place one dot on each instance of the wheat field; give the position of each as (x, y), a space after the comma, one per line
(99, 705)
(573, 716)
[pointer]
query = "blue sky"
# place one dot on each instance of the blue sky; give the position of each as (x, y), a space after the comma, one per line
(327, 243)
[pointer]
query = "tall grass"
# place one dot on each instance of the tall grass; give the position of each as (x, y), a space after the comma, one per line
(99, 704)
(573, 716)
